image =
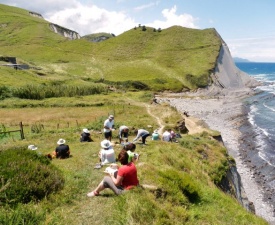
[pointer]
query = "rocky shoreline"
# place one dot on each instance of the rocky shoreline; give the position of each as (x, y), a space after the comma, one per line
(226, 113)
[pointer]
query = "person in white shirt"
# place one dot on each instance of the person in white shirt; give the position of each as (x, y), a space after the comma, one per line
(141, 133)
(107, 153)
(108, 127)
(123, 133)
(166, 136)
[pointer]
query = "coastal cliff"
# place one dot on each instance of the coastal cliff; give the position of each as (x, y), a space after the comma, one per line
(221, 106)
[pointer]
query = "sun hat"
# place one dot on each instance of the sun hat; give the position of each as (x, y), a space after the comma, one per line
(85, 130)
(61, 141)
(32, 147)
(111, 117)
(105, 144)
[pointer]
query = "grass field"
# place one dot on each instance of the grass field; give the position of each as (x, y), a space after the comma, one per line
(184, 177)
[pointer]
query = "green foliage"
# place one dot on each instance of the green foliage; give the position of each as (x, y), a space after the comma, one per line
(182, 185)
(27, 176)
(172, 59)
(5, 92)
(24, 214)
(39, 92)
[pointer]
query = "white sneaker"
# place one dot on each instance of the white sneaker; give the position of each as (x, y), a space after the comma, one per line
(92, 194)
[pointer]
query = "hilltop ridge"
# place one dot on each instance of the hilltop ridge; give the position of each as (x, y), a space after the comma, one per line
(174, 59)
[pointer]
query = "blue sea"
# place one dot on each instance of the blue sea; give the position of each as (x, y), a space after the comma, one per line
(261, 114)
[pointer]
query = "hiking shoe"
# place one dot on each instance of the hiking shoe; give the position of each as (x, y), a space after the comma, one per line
(92, 194)
(98, 166)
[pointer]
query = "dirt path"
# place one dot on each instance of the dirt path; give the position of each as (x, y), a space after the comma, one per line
(160, 123)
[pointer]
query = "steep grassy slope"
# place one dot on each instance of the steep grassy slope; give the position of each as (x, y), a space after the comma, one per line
(172, 59)
(185, 173)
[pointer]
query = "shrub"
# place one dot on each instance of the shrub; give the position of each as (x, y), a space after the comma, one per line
(27, 176)
(40, 92)
(182, 183)
(5, 92)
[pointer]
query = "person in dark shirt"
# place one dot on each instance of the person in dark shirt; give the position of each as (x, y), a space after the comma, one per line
(85, 136)
(62, 151)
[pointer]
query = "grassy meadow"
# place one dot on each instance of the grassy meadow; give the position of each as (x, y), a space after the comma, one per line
(185, 173)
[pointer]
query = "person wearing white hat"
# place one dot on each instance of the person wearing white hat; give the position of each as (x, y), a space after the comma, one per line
(108, 127)
(62, 151)
(85, 136)
(107, 153)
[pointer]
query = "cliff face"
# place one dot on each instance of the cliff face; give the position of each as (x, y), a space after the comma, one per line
(70, 34)
(227, 75)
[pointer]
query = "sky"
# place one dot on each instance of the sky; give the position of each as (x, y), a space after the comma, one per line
(246, 26)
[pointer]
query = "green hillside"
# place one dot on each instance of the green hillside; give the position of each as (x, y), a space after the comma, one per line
(170, 59)
(75, 84)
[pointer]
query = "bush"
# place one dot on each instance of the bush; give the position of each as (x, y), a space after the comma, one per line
(27, 176)
(5, 92)
(39, 92)
(182, 184)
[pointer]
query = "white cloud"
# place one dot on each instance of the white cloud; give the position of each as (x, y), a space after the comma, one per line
(149, 5)
(254, 49)
(91, 19)
(171, 19)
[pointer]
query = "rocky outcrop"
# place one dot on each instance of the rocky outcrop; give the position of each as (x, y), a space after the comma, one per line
(70, 34)
(36, 15)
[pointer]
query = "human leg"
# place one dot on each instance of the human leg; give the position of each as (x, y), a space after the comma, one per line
(144, 138)
(107, 182)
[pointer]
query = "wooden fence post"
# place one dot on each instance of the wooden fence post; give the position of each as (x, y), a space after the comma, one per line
(21, 131)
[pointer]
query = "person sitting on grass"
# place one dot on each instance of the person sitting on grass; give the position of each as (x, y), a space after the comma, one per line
(155, 135)
(166, 136)
(107, 153)
(141, 133)
(62, 151)
(125, 179)
(130, 148)
(85, 136)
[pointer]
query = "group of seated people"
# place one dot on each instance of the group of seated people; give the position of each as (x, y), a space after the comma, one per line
(168, 135)
(125, 177)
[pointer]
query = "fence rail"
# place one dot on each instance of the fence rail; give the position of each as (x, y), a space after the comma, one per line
(21, 130)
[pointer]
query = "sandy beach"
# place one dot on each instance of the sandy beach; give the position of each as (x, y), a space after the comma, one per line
(225, 113)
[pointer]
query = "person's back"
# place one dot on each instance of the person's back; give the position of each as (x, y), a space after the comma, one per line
(107, 156)
(85, 137)
(62, 150)
(129, 174)
(166, 136)
(155, 136)
(107, 153)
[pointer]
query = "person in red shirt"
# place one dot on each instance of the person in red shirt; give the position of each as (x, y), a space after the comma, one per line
(125, 178)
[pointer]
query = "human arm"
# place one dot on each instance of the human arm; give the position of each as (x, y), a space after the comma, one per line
(138, 136)
(117, 180)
